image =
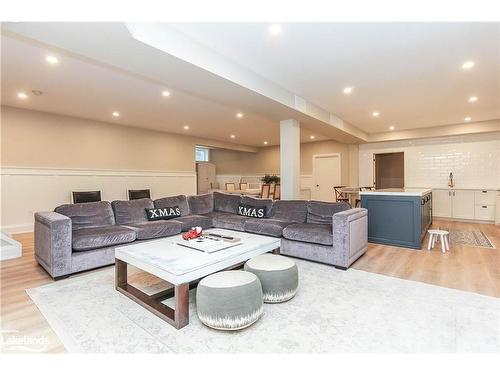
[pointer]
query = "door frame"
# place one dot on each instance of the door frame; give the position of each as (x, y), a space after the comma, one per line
(319, 156)
(390, 151)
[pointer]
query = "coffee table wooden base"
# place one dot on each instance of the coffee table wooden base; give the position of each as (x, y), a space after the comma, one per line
(178, 318)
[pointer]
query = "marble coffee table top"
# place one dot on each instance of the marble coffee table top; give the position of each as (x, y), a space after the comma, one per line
(179, 264)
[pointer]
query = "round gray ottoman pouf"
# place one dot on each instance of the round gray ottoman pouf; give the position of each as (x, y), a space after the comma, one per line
(229, 300)
(278, 275)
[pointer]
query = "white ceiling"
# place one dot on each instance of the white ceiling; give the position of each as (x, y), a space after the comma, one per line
(409, 72)
(82, 88)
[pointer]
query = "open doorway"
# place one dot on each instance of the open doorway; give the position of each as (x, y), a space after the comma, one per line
(389, 170)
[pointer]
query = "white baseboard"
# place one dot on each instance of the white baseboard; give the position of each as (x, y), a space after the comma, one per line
(17, 228)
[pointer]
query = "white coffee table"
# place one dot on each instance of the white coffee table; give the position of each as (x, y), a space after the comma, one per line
(181, 266)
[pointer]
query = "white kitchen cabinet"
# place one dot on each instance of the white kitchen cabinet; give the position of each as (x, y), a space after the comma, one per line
(485, 212)
(458, 204)
(441, 203)
(462, 206)
(485, 197)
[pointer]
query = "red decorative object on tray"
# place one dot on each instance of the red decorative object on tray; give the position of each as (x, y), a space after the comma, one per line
(193, 233)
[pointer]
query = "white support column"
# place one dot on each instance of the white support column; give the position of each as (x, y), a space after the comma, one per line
(290, 159)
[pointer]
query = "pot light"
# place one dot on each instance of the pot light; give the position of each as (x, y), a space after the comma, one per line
(116, 114)
(312, 137)
(391, 128)
(348, 90)
(275, 29)
(51, 59)
(186, 127)
(376, 114)
(232, 136)
(473, 99)
(239, 115)
(467, 119)
(468, 65)
(37, 92)
(165, 93)
(265, 142)
(22, 95)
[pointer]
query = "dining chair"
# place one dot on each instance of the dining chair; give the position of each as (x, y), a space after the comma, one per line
(243, 185)
(339, 195)
(363, 188)
(265, 190)
(277, 192)
(86, 196)
(230, 186)
(138, 194)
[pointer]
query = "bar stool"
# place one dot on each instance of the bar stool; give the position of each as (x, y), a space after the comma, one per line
(443, 237)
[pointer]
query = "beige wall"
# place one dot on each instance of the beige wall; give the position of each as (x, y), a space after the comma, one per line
(36, 139)
(46, 156)
(267, 160)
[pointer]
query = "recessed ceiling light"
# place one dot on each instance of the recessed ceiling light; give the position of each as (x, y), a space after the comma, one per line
(265, 142)
(376, 114)
(186, 127)
(233, 136)
(275, 29)
(37, 92)
(391, 128)
(467, 119)
(473, 99)
(239, 115)
(22, 95)
(116, 114)
(312, 137)
(347, 90)
(468, 65)
(165, 93)
(51, 59)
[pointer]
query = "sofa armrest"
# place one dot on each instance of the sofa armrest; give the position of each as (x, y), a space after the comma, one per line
(53, 242)
(350, 235)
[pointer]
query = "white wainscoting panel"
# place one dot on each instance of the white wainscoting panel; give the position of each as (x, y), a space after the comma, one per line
(28, 190)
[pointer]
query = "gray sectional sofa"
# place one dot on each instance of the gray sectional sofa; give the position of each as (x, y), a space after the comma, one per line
(78, 237)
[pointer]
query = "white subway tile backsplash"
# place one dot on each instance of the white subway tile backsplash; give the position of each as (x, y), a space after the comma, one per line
(473, 159)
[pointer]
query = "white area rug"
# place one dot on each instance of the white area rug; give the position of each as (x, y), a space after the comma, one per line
(334, 311)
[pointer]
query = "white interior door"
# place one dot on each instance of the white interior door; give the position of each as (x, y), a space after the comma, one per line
(326, 175)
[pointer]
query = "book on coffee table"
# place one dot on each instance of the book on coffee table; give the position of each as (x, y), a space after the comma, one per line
(210, 242)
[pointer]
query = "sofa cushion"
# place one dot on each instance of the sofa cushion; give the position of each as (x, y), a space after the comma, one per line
(294, 211)
(88, 215)
(322, 212)
(228, 221)
(155, 229)
(131, 212)
(201, 204)
(311, 233)
(226, 202)
(166, 213)
(94, 238)
(190, 221)
(269, 227)
(178, 200)
(251, 211)
(258, 202)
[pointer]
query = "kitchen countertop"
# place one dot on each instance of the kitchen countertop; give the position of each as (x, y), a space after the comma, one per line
(407, 192)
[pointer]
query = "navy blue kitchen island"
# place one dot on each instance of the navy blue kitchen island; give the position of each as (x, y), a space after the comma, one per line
(398, 217)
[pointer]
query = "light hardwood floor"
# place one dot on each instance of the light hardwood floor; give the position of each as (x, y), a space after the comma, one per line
(466, 268)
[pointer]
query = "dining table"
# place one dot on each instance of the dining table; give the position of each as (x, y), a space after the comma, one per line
(252, 192)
